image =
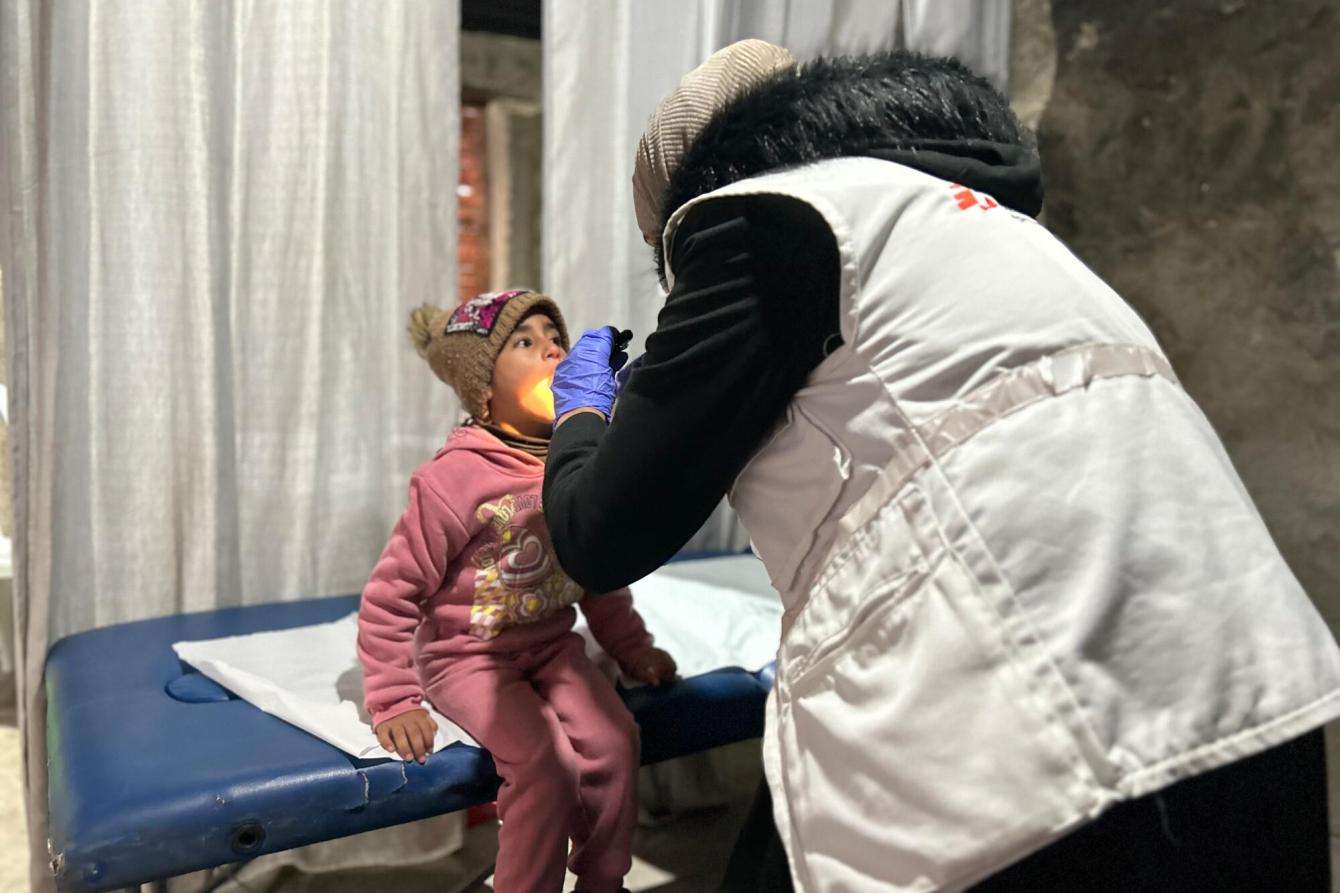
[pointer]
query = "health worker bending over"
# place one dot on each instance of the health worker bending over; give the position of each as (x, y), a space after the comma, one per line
(1036, 634)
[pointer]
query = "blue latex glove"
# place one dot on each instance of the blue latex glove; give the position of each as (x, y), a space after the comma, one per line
(585, 378)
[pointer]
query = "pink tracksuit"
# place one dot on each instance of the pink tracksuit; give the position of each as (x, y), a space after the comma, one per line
(469, 607)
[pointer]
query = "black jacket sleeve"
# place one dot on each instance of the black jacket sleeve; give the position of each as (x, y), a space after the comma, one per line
(754, 303)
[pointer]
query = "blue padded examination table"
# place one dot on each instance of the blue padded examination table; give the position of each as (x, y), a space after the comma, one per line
(157, 771)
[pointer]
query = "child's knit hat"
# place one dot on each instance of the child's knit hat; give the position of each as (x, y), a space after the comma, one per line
(462, 345)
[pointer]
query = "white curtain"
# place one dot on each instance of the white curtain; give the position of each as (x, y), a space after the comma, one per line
(216, 218)
(606, 65)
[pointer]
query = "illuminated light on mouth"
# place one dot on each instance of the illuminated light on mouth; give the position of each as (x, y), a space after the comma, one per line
(540, 399)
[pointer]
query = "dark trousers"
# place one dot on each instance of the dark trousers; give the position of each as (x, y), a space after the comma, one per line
(1258, 824)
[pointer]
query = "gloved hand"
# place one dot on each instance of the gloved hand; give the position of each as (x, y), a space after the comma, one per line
(621, 377)
(585, 378)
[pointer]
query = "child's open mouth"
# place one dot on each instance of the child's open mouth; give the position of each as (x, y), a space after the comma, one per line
(540, 398)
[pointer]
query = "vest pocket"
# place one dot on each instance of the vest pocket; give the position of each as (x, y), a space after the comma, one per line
(912, 750)
(882, 561)
(879, 601)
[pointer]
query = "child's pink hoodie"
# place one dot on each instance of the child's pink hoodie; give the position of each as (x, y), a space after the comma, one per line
(470, 568)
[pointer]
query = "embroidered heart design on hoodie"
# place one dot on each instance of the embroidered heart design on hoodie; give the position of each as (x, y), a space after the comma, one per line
(525, 563)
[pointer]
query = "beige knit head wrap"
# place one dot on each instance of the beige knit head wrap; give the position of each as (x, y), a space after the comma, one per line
(727, 74)
(461, 345)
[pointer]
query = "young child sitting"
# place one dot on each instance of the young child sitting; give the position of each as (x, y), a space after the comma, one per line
(468, 608)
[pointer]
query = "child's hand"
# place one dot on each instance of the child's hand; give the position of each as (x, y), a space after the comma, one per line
(652, 666)
(409, 734)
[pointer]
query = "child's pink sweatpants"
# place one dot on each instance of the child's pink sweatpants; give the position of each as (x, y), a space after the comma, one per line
(567, 750)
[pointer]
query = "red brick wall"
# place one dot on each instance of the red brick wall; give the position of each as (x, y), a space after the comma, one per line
(472, 214)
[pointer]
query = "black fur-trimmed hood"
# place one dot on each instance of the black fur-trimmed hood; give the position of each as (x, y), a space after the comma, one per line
(929, 113)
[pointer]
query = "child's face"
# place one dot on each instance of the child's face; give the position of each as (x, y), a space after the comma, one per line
(519, 395)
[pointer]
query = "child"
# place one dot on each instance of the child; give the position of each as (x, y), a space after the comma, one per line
(468, 608)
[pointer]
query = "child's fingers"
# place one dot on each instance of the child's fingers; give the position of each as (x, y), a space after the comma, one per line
(401, 742)
(657, 668)
(429, 731)
(384, 736)
(415, 733)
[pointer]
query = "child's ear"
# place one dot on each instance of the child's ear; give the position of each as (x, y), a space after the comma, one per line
(486, 395)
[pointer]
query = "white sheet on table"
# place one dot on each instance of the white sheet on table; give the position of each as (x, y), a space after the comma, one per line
(712, 613)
